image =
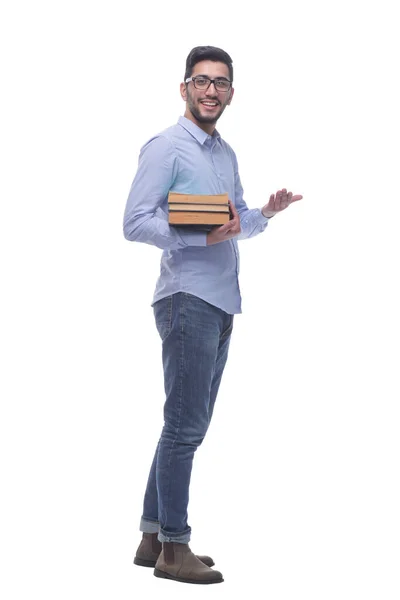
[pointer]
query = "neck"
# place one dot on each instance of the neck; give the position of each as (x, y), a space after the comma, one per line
(207, 127)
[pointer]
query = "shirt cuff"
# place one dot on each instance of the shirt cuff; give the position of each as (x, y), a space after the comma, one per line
(264, 218)
(194, 238)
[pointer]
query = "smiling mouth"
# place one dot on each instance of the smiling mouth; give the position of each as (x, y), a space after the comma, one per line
(209, 103)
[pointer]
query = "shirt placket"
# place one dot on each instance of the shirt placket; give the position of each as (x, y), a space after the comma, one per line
(217, 168)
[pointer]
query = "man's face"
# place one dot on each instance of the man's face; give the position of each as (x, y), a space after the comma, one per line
(207, 105)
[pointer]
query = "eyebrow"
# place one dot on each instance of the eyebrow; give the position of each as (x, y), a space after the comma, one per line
(208, 77)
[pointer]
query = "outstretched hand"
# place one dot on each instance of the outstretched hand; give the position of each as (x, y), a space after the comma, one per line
(278, 202)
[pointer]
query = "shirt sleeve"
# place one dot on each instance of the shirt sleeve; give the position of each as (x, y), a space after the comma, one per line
(252, 221)
(156, 173)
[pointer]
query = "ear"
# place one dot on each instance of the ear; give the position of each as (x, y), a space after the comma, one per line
(183, 91)
(231, 92)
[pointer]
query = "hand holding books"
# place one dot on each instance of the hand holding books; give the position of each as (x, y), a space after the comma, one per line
(227, 231)
(215, 213)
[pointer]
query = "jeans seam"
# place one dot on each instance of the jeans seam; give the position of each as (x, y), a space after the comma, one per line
(169, 313)
(228, 330)
(179, 403)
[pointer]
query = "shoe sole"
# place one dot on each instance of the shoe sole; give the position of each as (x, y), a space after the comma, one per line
(164, 575)
(141, 562)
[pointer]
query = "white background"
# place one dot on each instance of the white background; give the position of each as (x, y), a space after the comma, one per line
(295, 491)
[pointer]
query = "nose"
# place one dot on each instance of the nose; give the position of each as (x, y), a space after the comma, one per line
(212, 89)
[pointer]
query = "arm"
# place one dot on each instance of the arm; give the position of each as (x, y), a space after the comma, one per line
(254, 221)
(157, 171)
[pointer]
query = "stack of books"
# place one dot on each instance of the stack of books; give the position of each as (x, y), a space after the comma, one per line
(198, 209)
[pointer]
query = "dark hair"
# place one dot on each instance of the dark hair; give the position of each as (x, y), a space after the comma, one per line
(207, 53)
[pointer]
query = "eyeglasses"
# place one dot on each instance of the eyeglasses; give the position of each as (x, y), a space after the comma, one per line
(203, 83)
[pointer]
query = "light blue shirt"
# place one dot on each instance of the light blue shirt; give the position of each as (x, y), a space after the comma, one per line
(185, 159)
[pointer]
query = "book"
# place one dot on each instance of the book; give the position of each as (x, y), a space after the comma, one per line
(198, 209)
(197, 218)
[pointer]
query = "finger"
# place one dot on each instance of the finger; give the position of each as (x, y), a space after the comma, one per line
(233, 209)
(286, 198)
(278, 200)
(271, 202)
(234, 220)
(225, 228)
(296, 198)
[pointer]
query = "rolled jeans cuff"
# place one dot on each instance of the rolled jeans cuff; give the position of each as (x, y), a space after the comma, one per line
(183, 538)
(149, 526)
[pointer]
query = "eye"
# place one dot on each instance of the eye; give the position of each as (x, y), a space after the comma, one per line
(222, 83)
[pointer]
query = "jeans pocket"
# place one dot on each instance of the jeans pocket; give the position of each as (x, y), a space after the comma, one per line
(163, 316)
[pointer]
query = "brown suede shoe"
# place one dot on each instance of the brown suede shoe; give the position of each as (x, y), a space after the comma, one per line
(150, 548)
(178, 562)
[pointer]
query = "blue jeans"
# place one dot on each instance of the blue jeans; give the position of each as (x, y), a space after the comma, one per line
(195, 340)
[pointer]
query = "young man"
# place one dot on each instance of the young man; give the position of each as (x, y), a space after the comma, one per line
(196, 298)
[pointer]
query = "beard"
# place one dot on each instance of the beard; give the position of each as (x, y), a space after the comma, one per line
(194, 107)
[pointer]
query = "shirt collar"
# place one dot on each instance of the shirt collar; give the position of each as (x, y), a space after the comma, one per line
(200, 135)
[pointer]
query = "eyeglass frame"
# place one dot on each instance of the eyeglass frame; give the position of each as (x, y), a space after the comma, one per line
(210, 82)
